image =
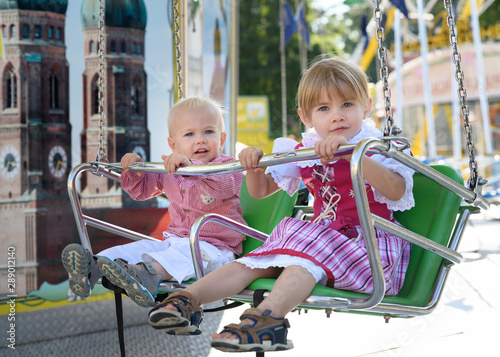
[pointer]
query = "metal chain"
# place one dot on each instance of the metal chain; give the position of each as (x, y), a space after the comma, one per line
(462, 95)
(178, 53)
(101, 155)
(384, 70)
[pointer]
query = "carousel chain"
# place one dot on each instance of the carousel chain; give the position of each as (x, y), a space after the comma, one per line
(462, 95)
(384, 70)
(178, 52)
(101, 155)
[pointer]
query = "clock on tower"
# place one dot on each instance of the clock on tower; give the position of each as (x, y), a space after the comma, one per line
(58, 161)
(11, 162)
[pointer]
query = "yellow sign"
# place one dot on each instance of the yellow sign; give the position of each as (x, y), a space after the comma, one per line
(253, 122)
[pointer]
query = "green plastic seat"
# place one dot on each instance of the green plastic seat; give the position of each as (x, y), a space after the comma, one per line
(434, 217)
(265, 214)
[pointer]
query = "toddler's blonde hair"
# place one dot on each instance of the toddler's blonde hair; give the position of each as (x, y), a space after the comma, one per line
(339, 78)
(196, 103)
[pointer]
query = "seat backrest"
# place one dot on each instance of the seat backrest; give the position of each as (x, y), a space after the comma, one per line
(265, 214)
(434, 217)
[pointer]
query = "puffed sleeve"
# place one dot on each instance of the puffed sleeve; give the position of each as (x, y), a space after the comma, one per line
(407, 201)
(286, 176)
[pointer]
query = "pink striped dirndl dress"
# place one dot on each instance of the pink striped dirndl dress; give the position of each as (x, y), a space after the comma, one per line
(333, 239)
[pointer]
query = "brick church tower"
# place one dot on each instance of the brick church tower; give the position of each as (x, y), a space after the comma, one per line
(35, 141)
(125, 94)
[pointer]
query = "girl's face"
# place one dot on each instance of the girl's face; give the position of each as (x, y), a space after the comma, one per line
(336, 116)
(196, 134)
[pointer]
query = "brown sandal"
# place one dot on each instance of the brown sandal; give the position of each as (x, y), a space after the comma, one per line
(251, 336)
(185, 321)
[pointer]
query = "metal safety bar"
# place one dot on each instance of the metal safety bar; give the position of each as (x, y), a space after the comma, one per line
(228, 167)
(83, 220)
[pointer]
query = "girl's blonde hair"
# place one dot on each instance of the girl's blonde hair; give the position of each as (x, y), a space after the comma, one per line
(196, 103)
(339, 78)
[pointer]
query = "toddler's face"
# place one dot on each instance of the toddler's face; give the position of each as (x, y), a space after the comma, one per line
(196, 134)
(336, 116)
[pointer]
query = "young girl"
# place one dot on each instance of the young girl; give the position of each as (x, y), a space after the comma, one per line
(333, 100)
(196, 136)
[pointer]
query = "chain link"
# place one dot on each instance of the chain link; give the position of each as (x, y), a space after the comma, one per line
(462, 95)
(384, 70)
(101, 155)
(178, 52)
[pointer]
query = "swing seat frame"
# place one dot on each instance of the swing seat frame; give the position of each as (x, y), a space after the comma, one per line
(434, 227)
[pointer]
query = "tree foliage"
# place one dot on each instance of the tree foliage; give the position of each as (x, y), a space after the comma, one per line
(490, 14)
(260, 61)
(332, 30)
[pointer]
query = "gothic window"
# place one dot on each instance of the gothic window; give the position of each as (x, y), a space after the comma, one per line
(139, 48)
(133, 47)
(54, 91)
(113, 46)
(12, 31)
(123, 47)
(26, 31)
(51, 32)
(91, 47)
(95, 96)
(38, 31)
(135, 97)
(11, 89)
(58, 34)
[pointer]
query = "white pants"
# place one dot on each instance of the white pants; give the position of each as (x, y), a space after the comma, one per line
(173, 254)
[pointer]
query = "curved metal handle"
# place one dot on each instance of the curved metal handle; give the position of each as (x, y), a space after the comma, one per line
(231, 166)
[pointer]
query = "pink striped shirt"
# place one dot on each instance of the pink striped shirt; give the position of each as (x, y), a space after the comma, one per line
(191, 197)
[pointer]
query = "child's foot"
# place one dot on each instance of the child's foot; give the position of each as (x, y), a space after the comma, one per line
(231, 335)
(140, 281)
(178, 314)
(257, 331)
(82, 269)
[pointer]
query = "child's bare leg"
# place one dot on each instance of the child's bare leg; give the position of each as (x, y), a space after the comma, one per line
(235, 277)
(292, 287)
